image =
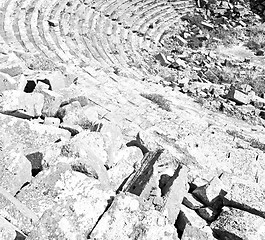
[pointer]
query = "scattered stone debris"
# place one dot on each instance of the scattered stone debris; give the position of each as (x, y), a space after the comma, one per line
(115, 120)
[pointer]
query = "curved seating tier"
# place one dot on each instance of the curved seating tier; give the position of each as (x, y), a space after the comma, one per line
(106, 34)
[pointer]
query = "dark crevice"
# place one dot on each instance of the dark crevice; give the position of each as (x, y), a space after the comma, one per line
(30, 86)
(107, 208)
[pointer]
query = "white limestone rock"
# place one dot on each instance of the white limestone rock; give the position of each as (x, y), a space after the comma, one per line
(130, 217)
(21, 104)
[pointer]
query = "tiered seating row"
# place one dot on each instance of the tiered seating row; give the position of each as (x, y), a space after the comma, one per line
(106, 34)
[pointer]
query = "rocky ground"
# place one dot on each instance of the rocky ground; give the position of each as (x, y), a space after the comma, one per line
(132, 120)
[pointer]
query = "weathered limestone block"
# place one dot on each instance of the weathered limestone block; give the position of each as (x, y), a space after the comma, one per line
(28, 135)
(238, 97)
(189, 217)
(173, 193)
(113, 140)
(234, 224)
(142, 182)
(15, 171)
(130, 217)
(194, 233)
(77, 202)
(52, 102)
(211, 192)
(16, 212)
(55, 79)
(21, 104)
(207, 213)
(87, 150)
(190, 202)
(74, 114)
(9, 232)
(128, 160)
(52, 121)
(94, 141)
(247, 196)
(7, 82)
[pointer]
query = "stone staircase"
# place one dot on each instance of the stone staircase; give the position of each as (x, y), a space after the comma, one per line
(96, 47)
(90, 33)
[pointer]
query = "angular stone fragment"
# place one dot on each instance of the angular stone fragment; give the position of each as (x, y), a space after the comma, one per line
(135, 219)
(194, 233)
(162, 59)
(238, 97)
(211, 192)
(94, 141)
(55, 79)
(21, 104)
(142, 182)
(235, 224)
(71, 204)
(6, 82)
(12, 71)
(16, 213)
(190, 202)
(128, 159)
(207, 25)
(248, 197)
(15, 171)
(72, 128)
(87, 149)
(173, 193)
(189, 217)
(26, 134)
(52, 121)
(208, 214)
(113, 140)
(9, 232)
(52, 102)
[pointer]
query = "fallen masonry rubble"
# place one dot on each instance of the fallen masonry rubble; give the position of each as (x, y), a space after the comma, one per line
(132, 120)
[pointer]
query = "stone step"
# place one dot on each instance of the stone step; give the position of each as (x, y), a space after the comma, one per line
(9, 10)
(37, 32)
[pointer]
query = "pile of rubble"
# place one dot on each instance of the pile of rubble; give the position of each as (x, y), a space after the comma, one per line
(199, 66)
(86, 154)
(258, 6)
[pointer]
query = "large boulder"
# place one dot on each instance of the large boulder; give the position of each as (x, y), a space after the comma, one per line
(234, 224)
(130, 217)
(69, 203)
(21, 104)
(15, 171)
(28, 135)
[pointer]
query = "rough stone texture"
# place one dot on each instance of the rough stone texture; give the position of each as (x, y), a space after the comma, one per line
(86, 117)
(173, 193)
(6, 82)
(247, 196)
(106, 50)
(114, 141)
(16, 213)
(72, 209)
(238, 97)
(87, 149)
(207, 213)
(28, 135)
(236, 224)
(193, 233)
(189, 217)
(20, 104)
(52, 102)
(15, 171)
(190, 202)
(127, 161)
(136, 219)
(211, 192)
(9, 231)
